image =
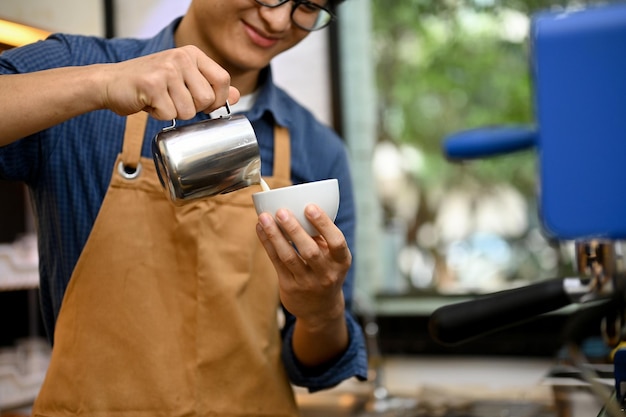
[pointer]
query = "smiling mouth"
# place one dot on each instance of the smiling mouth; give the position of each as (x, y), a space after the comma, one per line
(259, 39)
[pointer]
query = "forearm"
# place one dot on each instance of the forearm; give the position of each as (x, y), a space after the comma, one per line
(317, 344)
(36, 101)
(175, 83)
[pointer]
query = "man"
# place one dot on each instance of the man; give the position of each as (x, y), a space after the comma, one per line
(158, 310)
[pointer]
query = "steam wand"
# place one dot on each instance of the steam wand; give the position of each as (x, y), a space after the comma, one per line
(601, 282)
(597, 263)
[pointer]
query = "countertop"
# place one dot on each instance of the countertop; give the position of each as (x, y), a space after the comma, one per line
(453, 386)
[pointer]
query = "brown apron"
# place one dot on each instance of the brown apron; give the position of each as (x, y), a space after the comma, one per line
(170, 311)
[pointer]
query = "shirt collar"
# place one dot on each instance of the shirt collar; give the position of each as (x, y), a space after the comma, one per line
(271, 100)
(164, 39)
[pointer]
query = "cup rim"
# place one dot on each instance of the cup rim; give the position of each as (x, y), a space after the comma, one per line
(301, 185)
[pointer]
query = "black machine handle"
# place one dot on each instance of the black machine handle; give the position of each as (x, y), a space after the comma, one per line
(457, 323)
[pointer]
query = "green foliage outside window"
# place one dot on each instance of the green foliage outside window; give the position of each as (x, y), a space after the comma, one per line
(446, 66)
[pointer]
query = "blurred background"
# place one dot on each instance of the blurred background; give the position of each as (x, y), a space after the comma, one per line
(442, 67)
(393, 78)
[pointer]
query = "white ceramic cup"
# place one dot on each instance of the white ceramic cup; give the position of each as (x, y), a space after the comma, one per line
(295, 198)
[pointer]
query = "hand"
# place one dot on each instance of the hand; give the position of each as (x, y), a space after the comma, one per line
(176, 83)
(310, 279)
(311, 276)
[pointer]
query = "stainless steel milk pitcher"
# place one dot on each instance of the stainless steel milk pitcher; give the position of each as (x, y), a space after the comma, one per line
(207, 158)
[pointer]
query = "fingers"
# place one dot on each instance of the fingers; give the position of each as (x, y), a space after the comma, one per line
(177, 83)
(203, 85)
(233, 95)
(283, 256)
(310, 277)
(316, 253)
(335, 242)
(219, 81)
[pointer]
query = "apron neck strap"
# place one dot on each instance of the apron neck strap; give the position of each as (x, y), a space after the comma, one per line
(282, 153)
(133, 138)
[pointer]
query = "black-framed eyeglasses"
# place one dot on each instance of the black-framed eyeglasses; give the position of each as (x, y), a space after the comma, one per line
(305, 14)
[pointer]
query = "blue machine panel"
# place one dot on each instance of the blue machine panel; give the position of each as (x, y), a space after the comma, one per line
(579, 74)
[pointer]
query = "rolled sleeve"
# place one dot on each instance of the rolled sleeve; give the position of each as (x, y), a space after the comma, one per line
(353, 362)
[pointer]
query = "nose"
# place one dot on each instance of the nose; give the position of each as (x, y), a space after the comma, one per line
(278, 19)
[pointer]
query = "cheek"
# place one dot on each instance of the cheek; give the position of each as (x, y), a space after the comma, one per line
(222, 12)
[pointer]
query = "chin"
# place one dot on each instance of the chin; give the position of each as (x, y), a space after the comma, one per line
(254, 61)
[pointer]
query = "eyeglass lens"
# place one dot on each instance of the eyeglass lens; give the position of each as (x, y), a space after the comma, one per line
(308, 15)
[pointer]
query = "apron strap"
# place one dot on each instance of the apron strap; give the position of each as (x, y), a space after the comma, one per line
(133, 138)
(282, 153)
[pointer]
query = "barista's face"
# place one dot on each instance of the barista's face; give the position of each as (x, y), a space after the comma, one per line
(241, 35)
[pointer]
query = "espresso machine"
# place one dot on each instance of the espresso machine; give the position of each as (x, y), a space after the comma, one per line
(578, 71)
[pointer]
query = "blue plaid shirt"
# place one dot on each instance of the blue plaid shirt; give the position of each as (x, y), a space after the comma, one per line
(68, 168)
